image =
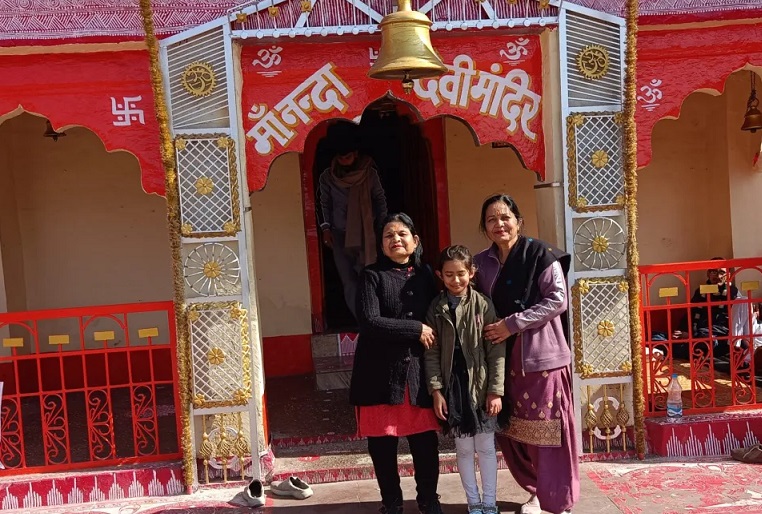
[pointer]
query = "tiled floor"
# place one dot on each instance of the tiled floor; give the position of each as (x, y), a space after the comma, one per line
(295, 408)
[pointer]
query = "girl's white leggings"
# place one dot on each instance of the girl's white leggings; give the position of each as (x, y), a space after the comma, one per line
(482, 445)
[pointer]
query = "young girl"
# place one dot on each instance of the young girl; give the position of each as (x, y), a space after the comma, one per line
(465, 375)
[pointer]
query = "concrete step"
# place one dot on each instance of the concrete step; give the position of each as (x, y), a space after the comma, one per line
(704, 435)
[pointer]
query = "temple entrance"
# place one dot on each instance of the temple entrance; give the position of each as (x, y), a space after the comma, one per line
(395, 140)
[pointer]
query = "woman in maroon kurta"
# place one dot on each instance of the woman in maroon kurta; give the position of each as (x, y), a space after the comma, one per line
(526, 282)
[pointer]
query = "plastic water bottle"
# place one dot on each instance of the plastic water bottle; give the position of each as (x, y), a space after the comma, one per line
(674, 399)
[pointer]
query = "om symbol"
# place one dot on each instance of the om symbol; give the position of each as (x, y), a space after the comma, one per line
(268, 58)
(593, 62)
(198, 79)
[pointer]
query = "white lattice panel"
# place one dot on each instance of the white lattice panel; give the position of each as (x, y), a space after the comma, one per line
(596, 171)
(602, 327)
(198, 82)
(593, 60)
(599, 243)
(211, 269)
(208, 186)
(219, 355)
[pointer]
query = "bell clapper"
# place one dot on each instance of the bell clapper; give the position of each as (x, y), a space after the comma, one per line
(407, 84)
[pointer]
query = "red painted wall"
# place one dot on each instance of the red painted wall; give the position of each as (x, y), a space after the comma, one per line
(287, 355)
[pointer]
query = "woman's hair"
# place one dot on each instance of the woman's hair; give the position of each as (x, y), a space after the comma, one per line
(399, 217)
(455, 253)
(507, 200)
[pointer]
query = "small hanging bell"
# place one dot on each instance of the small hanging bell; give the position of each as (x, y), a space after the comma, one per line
(752, 120)
(406, 52)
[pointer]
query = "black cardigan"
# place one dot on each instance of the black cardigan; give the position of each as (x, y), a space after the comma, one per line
(392, 303)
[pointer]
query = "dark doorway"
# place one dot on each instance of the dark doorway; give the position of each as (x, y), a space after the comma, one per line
(393, 138)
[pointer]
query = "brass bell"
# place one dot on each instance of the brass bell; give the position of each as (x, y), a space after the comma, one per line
(406, 52)
(52, 134)
(752, 120)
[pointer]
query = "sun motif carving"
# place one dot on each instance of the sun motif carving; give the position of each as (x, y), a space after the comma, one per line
(606, 328)
(599, 243)
(599, 158)
(204, 186)
(198, 79)
(215, 356)
(212, 269)
(593, 62)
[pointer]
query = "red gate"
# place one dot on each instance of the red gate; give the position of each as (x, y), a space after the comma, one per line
(88, 387)
(700, 321)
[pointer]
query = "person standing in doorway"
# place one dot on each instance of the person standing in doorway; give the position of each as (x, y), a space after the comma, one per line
(352, 202)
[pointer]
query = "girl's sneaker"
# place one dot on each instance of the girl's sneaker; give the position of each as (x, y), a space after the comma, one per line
(490, 509)
(476, 508)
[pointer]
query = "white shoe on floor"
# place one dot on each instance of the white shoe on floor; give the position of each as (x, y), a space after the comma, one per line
(292, 486)
(532, 506)
(254, 494)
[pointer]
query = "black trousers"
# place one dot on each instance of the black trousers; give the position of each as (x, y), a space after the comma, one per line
(424, 448)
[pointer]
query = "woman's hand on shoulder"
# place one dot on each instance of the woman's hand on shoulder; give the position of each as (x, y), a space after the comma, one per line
(440, 405)
(428, 337)
(497, 332)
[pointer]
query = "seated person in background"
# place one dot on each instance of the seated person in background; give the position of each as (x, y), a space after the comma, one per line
(700, 316)
(752, 329)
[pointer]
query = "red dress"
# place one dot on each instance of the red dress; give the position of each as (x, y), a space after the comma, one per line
(395, 420)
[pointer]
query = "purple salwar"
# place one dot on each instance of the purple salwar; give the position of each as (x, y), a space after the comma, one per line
(539, 445)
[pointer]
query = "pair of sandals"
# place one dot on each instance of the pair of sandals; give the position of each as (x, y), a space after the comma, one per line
(294, 487)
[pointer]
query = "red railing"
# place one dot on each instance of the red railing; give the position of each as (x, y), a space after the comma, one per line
(698, 321)
(88, 387)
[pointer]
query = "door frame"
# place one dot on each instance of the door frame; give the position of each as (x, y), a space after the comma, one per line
(433, 131)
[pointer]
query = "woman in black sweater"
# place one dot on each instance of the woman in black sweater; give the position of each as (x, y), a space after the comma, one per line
(388, 384)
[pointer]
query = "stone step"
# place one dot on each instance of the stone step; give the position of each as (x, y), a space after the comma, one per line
(73, 488)
(333, 372)
(347, 460)
(325, 345)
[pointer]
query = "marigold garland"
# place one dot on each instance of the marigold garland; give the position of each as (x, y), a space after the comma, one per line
(173, 224)
(631, 200)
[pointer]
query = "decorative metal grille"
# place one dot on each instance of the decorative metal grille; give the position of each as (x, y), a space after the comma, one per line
(198, 82)
(599, 243)
(208, 186)
(607, 419)
(593, 61)
(596, 178)
(220, 354)
(212, 269)
(601, 327)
